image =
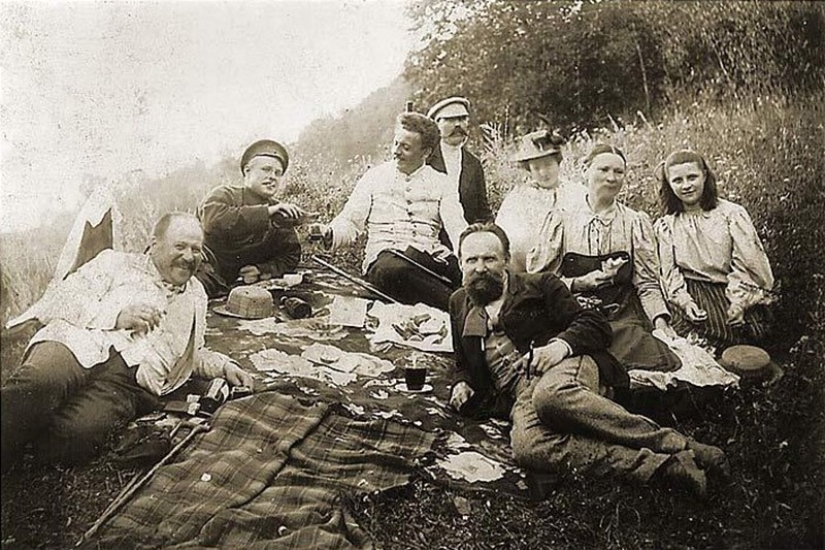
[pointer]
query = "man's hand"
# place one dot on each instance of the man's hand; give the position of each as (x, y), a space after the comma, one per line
(593, 280)
(292, 212)
(461, 393)
(736, 315)
(138, 318)
(660, 323)
(250, 274)
(319, 232)
(547, 357)
(236, 376)
(695, 314)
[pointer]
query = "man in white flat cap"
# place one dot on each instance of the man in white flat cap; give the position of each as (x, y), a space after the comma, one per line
(451, 157)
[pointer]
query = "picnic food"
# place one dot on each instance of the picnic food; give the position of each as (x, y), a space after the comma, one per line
(611, 266)
(419, 327)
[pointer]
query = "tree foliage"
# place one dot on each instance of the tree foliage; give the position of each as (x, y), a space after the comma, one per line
(580, 62)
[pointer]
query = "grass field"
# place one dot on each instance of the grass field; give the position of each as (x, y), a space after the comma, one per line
(768, 155)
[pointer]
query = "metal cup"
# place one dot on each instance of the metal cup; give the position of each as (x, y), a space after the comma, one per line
(316, 232)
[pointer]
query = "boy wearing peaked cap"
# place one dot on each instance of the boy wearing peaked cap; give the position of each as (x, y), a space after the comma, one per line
(250, 234)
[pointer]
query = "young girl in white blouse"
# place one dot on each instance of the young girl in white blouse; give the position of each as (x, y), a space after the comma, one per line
(715, 273)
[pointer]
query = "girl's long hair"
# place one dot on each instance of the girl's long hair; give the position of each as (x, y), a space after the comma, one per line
(668, 200)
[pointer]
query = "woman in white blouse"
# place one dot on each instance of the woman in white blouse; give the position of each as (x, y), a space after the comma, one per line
(606, 254)
(524, 208)
(714, 269)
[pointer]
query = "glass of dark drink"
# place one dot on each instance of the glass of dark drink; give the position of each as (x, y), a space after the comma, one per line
(415, 375)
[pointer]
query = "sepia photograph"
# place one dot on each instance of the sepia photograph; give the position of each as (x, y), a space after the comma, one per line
(412, 274)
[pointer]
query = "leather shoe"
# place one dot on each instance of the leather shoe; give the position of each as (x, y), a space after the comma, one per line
(710, 458)
(680, 471)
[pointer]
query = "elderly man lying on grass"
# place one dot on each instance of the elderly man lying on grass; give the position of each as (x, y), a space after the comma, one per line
(526, 349)
(127, 329)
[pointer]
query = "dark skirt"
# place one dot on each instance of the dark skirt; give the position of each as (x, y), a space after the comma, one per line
(633, 343)
(711, 297)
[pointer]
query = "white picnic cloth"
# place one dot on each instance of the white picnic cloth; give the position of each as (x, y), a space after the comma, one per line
(699, 368)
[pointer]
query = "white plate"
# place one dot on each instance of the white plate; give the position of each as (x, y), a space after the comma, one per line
(403, 387)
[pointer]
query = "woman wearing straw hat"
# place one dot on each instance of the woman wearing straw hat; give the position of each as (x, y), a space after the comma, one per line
(605, 252)
(525, 206)
(715, 272)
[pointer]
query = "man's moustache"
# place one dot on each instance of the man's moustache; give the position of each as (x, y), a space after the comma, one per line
(185, 265)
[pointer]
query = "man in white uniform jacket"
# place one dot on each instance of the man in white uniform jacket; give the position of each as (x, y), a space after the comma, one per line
(403, 204)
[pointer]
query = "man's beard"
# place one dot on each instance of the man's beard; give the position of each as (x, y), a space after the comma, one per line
(486, 287)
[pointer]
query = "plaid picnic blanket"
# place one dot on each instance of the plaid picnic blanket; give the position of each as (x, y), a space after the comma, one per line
(271, 471)
(269, 474)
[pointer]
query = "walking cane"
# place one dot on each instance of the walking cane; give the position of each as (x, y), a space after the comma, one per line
(425, 269)
(356, 280)
(133, 486)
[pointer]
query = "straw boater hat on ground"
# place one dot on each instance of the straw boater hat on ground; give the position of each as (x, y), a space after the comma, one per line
(247, 302)
(536, 145)
(265, 148)
(750, 362)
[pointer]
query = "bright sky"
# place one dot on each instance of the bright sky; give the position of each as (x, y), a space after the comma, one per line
(103, 89)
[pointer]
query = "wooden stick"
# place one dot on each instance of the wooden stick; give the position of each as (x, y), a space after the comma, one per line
(356, 280)
(423, 268)
(133, 487)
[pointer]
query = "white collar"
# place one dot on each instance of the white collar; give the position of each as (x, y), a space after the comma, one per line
(408, 177)
(455, 149)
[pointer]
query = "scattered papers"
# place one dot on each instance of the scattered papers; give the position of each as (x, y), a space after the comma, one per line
(357, 410)
(699, 368)
(362, 364)
(348, 311)
(419, 326)
(294, 333)
(279, 361)
(322, 362)
(456, 441)
(471, 466)
(388, 415)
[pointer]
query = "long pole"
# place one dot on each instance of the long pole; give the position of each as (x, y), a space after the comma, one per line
(356, 280)
(133, 487)
(423, 268)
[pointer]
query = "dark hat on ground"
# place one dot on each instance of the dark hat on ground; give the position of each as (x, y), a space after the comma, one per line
(247, 302)
(536, 145)
(749, 362)
(451, 107)
(265, 148)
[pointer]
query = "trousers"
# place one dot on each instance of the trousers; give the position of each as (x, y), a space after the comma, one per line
(64, 409)
(410, 284)
(560, 424)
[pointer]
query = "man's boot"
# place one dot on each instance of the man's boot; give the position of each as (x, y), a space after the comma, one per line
(680, 471)
(710, 458)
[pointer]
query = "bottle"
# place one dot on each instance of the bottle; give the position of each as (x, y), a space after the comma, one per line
(216, 395)
(296, 307)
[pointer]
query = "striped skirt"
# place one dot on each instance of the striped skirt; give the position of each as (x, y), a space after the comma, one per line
(711, 297)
